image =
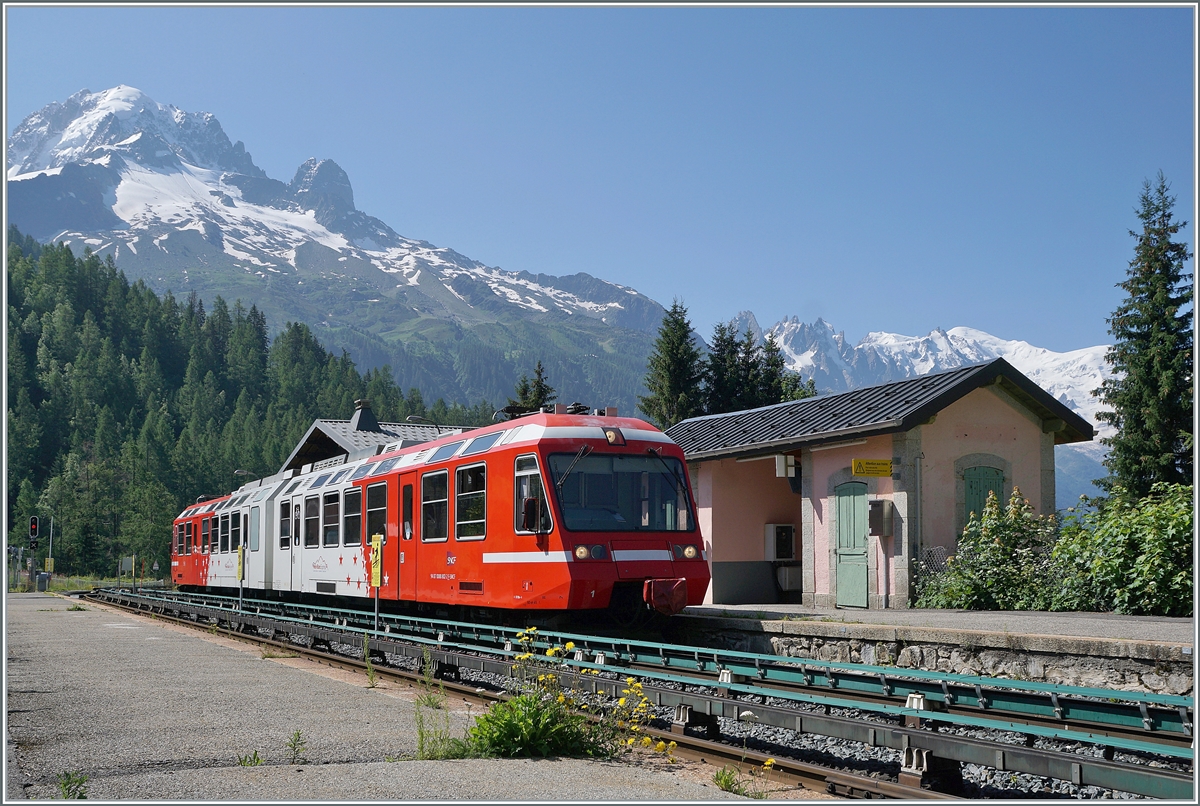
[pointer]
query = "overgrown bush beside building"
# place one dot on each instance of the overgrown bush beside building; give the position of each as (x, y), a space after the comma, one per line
(1130, 556)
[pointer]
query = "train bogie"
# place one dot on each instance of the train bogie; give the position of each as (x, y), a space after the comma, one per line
(544, 513)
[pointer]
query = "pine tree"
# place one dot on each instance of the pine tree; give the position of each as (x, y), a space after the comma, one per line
(674, 372)
(533, 394)
(1150, 392)
(721, 371)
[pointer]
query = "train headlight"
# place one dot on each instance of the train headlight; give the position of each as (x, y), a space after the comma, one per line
(598, 552)
(581, 552)
(690, 552)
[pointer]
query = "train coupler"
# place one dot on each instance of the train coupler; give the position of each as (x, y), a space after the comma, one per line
(667, 596)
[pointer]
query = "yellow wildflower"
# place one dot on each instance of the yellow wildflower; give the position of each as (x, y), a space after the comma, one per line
(621, 701)
(661, 747)
(541, 677)
(629, 741)
(672, 746)
(570, 645)
(562, 698)
(768, 764)
(647, 741)
(630, 680)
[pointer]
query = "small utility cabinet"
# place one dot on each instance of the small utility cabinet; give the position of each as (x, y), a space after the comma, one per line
(879, 518)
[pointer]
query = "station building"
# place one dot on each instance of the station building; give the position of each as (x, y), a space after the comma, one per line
(833, 500)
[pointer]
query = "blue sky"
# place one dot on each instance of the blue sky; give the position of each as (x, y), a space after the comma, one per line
(892, 169)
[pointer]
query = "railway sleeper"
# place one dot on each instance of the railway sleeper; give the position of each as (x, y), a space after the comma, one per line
(921, 769)
(445, 670)
(686, 717)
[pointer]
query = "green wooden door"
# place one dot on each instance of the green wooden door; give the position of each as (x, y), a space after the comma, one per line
(851, 513)
(979, 482)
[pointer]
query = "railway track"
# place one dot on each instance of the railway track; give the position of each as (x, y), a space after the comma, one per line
(920, 715)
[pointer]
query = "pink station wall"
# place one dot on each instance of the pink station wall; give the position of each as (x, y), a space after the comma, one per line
(736, 499)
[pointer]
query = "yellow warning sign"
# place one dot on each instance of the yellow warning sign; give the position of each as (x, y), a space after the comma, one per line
(241, 565)
(49, 565)
(376, 559)
(872, 467)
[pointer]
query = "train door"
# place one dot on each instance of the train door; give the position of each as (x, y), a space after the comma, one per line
(406, 556)
(294, 579)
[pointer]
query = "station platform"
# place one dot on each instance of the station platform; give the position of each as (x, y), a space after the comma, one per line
(1181, 631)
(1100, 650)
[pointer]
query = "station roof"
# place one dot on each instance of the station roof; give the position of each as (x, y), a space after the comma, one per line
(326, 439)
(885, 409)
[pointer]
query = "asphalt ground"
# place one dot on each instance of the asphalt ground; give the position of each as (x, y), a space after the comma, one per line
(155, 711)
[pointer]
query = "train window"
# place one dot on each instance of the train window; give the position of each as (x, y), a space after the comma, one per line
(292, 489)
(264, 491)
(254, 528)
(329, 520)
(320, 480)
(470, 493)
(481, 444)
(235, 531)
(204, 535)
(377, 510)
(362, 471)
(312, 522)
(178, 540)
(385, 466)
(338, 476)
(445, 452)
(434, 506)
(621, 492)
(224, 523)
(285, 525)
(352, 518)
(527, 483)
(407, 505)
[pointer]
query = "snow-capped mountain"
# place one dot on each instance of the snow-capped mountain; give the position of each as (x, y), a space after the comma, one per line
(159, 170)
(173, 201)
(818, 351)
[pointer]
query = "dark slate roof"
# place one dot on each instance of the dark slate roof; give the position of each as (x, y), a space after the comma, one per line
(326, 439)
(888, 408)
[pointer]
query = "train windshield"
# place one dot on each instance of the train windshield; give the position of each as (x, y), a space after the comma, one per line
(621, 493)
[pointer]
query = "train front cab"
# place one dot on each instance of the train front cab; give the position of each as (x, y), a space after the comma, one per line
(628, 523)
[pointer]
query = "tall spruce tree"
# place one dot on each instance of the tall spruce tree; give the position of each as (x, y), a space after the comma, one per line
(721, 370)
(533, 394)
(1150, 392)
(674, 372)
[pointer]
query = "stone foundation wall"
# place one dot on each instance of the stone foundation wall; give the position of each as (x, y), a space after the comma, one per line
(1147, 666)
(1127, 674)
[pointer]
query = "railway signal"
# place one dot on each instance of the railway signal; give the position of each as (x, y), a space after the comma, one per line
(33, 527)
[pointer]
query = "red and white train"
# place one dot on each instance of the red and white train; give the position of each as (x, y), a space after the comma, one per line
(540, 515)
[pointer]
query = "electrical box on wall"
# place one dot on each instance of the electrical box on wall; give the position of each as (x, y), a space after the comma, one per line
(879, 519)
(780, 542)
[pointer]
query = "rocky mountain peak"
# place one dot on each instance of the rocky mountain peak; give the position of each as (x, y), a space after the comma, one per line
(323, 187)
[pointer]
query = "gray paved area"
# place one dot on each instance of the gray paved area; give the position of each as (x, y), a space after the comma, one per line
(1080, 625)
(149, 710)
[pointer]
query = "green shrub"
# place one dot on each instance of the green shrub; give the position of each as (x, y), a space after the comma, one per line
(1002, 561)
(1132, 556)
(1129, 555)
(542, 719)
